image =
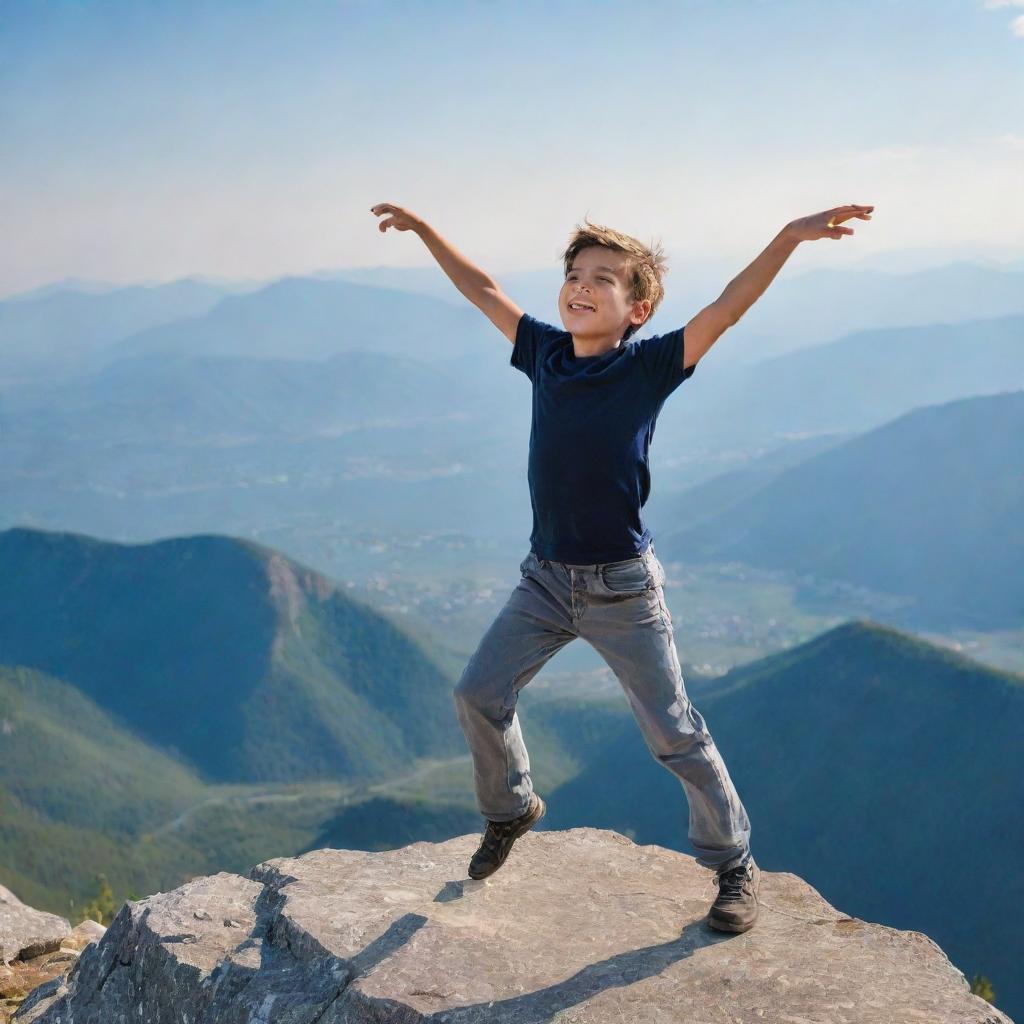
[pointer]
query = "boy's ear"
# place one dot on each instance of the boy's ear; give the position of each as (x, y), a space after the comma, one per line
(642, 308)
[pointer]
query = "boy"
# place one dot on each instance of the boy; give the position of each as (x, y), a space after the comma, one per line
(591, 570)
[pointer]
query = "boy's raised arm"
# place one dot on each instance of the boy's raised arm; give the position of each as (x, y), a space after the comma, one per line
(750, 283)
(481, 289)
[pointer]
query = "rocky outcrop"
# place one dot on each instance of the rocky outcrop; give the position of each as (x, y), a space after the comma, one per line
(26, 932)
(35, 947)
(578, 927)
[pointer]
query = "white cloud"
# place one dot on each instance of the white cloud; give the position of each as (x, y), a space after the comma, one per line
(1017, 25)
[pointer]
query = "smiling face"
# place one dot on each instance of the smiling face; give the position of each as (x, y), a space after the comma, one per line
(596, 300)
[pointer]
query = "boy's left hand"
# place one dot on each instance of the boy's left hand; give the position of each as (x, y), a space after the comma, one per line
(826, 224)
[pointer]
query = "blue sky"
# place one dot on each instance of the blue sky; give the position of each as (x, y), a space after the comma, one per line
(147, 141)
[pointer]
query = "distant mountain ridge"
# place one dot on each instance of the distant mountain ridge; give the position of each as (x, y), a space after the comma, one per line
(65, 327)
(316, 319)
(928, 506)
(854, 383)
(798, 311)
(172, 396)
(242, 662)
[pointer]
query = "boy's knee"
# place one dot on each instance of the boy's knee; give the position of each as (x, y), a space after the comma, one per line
(481, 691)
(469, 686)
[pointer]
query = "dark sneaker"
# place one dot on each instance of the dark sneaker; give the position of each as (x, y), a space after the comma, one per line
(735, 909)
(499, 837)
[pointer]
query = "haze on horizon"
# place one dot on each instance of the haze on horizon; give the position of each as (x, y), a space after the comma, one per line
(151, 142)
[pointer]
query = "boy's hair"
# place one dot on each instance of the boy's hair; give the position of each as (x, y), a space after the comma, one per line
(645, 265)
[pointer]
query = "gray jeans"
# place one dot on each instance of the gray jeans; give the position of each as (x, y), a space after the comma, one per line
(619, 609)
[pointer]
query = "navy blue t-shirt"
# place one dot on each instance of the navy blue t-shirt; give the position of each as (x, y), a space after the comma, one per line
(593, 420)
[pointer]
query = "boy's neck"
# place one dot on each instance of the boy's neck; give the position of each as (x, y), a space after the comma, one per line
(587, 355)
(586, 349)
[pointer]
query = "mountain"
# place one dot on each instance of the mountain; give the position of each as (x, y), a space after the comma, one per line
(117, 782)
(63, 329)
(207, 399)
(64, 284)
(192, 705)
(77, 789)
(319, 314)
(802, 308)
(225, 654)
(857, 382)
(382, 823)
(928, 507)
(712, 496)
(420, 420)
(300, 318)
(885, 770)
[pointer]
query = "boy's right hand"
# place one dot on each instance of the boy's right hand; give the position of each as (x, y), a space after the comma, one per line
(401, 219)
(480, 288)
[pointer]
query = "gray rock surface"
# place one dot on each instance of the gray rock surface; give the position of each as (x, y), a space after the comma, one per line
(578, 927)
(82, 934)
(26, 932)
(35, 947)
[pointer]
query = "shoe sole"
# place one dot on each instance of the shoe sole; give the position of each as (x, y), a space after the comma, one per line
(729, 926)
(723, 925)
(525, 827)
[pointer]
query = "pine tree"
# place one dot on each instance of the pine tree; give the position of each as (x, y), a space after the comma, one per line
(102, 908)
(981, 986)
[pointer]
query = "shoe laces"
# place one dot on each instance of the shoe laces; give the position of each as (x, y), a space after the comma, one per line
(730, 883)
(497, 830)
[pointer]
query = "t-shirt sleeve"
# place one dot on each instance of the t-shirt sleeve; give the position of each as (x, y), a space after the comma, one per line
(533, 337)
(662, 357)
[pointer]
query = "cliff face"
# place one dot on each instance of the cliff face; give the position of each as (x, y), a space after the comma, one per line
(35, 947)
(579, 926)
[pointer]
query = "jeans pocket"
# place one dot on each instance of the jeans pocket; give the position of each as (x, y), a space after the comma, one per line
(629, 577)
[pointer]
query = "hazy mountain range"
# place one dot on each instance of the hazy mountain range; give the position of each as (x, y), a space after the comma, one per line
(151, 444)
(801, 308)
(55, 333)
(929, 507)
(171, 397)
